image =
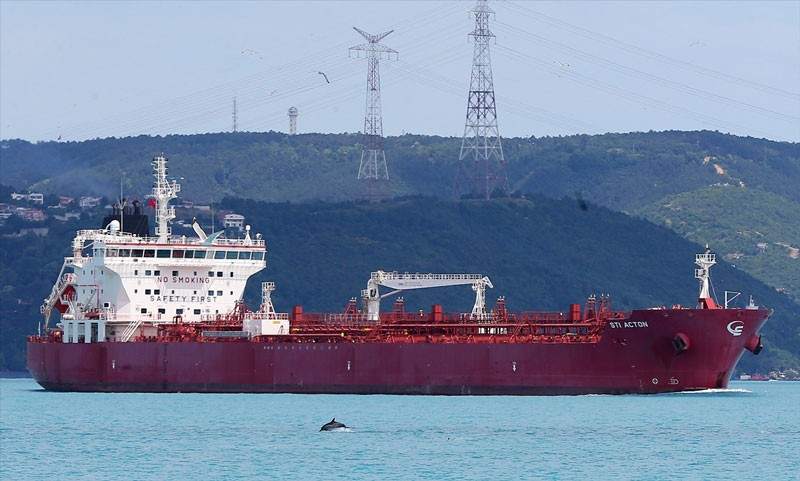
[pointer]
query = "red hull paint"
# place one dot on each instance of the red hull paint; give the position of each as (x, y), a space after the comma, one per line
(634, 355)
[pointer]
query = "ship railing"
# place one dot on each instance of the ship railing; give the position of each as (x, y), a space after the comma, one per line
(109, 313)
(315, 321)
(395, 275)
(267, 316)
(542, 326)
(116, 236)
(475, 332)
(513, 320)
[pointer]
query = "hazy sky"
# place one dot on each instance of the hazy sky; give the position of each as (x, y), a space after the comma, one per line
(84, 70)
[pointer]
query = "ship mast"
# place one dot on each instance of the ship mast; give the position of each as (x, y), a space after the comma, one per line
(163, 192)
(705, 261)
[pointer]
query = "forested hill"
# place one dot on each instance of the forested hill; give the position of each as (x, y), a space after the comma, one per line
(621, 171)
(738, 194)
(540, 253)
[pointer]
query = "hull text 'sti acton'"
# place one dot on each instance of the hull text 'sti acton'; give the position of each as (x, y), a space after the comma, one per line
(165, 314)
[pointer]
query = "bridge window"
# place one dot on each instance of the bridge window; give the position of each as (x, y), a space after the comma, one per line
(137, 253)
(162, 253)
(177, 254)
(149, 253)
(199, 254)
(244, 255)
(232, 255)
(219, 255)
(257, 256)
(124, 252)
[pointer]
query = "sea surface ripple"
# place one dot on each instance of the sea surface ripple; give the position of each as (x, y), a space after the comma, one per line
(751, 431)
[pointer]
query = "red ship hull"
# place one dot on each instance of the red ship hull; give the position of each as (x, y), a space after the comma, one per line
(633, 355)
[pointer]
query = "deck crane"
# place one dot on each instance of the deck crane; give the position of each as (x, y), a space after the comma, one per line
(401, 282)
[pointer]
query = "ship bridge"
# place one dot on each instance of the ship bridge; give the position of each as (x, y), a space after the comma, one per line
(123, 284)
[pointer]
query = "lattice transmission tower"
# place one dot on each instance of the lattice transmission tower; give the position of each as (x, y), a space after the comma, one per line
(481, 167)
(373, 175)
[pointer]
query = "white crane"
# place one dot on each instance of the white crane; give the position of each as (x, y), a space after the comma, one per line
(400, 282)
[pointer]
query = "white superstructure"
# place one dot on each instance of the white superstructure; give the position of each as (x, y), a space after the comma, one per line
(122, 286)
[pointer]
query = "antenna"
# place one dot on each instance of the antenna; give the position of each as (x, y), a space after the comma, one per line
(121, 208)
(235, 116)
(373, 175)
(481, 141)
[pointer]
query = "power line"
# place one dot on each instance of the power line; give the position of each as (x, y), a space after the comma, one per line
(647, 53)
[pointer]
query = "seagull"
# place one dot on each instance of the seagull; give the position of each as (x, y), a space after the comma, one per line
(326, 77)
(249, 52)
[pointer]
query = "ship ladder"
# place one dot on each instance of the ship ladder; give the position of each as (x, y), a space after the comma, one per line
(128, 332)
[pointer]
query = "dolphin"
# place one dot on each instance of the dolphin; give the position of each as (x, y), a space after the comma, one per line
(332, 425)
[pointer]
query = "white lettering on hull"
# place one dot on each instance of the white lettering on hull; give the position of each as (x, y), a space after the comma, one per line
(191, 299)
(183, 280)
(628, 324)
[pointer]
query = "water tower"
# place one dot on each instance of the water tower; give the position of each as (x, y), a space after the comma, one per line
(292, 121)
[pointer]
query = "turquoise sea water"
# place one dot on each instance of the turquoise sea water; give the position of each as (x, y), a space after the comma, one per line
(750, 431)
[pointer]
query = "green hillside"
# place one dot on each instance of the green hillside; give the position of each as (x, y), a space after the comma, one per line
(758, 232)
(620, 171)
(541, 254)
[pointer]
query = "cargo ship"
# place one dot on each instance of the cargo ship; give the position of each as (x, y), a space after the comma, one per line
(165, 313)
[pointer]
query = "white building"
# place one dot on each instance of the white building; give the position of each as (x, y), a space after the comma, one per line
(235, 221)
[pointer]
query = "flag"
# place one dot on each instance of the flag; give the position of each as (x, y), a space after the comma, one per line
(152, 203)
